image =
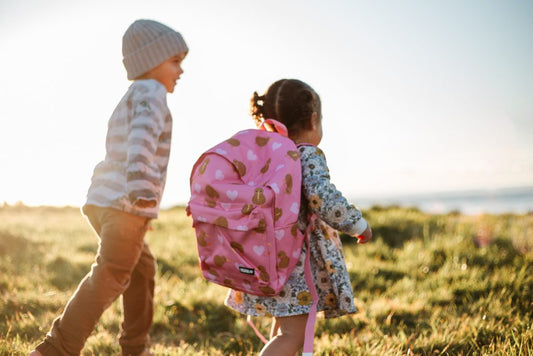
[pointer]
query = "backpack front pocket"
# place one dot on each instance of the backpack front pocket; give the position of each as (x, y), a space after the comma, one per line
(234, 249)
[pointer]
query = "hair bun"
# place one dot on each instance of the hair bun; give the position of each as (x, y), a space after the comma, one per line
(256, 107)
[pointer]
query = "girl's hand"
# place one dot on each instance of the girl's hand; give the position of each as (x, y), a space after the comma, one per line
(365, 236)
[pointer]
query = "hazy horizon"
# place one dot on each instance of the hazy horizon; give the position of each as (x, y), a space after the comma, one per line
(514, 200)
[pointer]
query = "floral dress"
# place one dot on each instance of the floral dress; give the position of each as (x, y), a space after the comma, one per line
(327, 258)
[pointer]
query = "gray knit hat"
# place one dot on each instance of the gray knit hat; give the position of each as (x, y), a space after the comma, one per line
(146, 44)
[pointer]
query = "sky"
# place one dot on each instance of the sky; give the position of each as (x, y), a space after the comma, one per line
(417, 96)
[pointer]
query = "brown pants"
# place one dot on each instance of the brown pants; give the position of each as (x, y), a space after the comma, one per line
(124, 266)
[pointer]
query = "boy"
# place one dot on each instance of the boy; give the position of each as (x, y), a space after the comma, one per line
(124, 196)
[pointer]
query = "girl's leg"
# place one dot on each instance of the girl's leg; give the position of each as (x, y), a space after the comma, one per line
(289, 338)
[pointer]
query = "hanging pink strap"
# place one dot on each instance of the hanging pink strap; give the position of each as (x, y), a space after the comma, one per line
(311, 319)
(257, 332)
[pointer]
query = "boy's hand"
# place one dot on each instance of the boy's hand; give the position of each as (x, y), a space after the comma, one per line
(365, 236)
(143, 203)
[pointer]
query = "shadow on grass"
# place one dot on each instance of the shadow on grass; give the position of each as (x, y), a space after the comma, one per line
(394, 236)
(18, 316)
(501, 252)
(452, 348)
(377, 281)
(343, 325)
(65, 274)
(185, 270)
(410, 322)
(17, 247)
(208, 319)
(204, 321)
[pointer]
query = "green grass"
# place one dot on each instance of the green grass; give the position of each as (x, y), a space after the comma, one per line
(427, 285)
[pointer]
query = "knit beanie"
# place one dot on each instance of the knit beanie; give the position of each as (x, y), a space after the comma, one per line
(146, 44)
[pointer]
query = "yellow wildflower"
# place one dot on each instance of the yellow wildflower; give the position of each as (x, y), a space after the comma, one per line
(331, 300)
(238, 297)
(315, 202)
(304, 298)
(261, 310)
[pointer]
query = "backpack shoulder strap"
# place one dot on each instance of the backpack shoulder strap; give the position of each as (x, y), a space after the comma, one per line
(274, 125)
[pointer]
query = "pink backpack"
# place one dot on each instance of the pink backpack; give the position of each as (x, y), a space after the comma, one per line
(245, 201)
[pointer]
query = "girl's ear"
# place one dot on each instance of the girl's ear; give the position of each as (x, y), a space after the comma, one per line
(315, 121)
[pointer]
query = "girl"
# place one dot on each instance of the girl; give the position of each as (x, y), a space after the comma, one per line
(296, 105)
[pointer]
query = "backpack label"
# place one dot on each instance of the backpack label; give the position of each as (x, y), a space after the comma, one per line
(247, 270)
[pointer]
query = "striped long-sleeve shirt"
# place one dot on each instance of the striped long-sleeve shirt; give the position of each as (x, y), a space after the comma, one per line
(137, 151)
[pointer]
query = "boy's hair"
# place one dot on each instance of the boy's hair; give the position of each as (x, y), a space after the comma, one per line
(289, 101)
(148, 43)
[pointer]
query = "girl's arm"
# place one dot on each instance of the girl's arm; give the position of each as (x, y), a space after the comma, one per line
(325, 200)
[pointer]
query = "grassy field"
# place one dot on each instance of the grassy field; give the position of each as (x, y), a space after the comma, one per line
(427, 285)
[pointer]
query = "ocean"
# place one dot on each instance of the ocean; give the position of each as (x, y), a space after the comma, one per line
(472, 202)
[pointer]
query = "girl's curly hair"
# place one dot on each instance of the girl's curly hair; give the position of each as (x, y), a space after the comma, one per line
(289, 101)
